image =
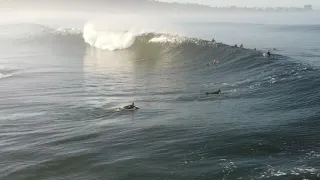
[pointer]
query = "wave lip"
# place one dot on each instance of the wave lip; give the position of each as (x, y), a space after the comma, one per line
(107, 40)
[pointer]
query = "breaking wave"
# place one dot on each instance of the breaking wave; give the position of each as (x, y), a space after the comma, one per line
(109, 40)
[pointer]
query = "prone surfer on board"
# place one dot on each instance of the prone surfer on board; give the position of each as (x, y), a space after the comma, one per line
(130, 107)
(215, 92)
(269, 53)
(213, 63)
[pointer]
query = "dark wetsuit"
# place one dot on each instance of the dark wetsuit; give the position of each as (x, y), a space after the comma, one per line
(216, 92)
(268, 53)
(129, 106)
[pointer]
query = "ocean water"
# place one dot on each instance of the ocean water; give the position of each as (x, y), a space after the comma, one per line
(61, 89)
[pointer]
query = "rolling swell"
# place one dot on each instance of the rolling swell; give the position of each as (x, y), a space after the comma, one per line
(263, 125)
(242, 72)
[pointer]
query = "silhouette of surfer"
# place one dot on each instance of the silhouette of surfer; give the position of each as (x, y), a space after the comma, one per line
(215, 92)
(241, 45)
(269, 53)
(213, 63)
(130, 107)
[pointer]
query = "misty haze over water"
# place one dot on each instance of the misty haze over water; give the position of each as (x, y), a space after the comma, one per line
(70, 71)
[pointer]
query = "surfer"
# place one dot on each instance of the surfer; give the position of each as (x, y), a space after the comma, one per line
(213, 40)
(215, 92)
(130, 107)
(241, 45)
(214, 62)
(275, 49)
(269, 53)
(255, 49)
(236, 45)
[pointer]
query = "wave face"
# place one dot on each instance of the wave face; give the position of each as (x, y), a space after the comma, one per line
(188, 55)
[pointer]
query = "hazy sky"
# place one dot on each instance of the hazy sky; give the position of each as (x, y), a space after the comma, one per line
(250, 3)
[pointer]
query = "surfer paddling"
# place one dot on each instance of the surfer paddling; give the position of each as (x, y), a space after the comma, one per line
(214, 62)
(130, 107)
(215, 92)
(269, 53)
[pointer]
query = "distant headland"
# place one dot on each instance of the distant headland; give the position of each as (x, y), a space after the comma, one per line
(206, 8)
(154, 6)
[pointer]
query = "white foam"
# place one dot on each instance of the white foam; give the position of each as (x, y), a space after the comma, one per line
(174, 39)
(62, 31)
(168, 39)
(2, 76)
(120, 31)
(279, 173)
(116, 32)
(106, 39)
(312, 155)
(16, 116)
(272, 171)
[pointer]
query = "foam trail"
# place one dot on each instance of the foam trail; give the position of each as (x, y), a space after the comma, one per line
(166, 39)
(107, 40)
(2, 76)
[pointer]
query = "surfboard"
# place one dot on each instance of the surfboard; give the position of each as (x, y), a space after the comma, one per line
(133, 109)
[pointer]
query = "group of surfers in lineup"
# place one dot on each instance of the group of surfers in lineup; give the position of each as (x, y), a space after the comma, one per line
(133, 107)
(241, 46)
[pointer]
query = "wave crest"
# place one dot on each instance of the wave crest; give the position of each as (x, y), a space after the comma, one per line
(116, 40)
(107, 40)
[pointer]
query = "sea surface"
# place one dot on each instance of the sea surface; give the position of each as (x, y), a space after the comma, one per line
(62, 89)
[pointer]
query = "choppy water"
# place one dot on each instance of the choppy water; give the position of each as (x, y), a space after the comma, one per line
(59, 97)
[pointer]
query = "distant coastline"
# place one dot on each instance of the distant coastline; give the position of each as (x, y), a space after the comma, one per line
(128, 6)
(194, 6)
